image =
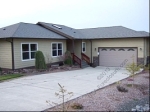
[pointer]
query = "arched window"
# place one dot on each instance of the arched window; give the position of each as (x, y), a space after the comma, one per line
(104, 49)
(130, 49)
(121, 49)
(112, 49)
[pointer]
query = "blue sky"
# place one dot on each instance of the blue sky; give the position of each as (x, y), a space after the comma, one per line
(79, 14)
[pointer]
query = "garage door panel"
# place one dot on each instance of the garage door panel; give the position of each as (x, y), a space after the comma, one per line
(117, 56)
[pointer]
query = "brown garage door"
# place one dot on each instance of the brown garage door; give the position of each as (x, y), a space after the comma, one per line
(117, 57)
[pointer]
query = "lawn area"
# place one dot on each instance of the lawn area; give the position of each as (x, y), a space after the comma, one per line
(9, 76)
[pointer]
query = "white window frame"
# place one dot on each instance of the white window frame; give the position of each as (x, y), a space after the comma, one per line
(82, 47)
(29, 52)
(56, 49)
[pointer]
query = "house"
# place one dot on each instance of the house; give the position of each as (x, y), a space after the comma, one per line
(104, 46)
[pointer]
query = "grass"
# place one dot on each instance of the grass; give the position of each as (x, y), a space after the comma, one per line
(9, 76)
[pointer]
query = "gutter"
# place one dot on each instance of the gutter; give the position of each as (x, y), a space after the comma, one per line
(12, 50)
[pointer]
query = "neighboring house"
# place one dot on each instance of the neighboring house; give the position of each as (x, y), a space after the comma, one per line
(104, 46)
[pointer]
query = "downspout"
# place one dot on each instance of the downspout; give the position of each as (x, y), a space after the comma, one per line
(145, 51)
(12, 50)
(91, 51)
(81, 47)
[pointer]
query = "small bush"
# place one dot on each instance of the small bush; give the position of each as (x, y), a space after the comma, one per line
(40, 61)
(68, 58)
(77, 106)
(129, 85)
(122, 89)
(147, 67)
(0, 71)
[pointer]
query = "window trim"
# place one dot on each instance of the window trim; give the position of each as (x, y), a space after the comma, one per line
(57, 48)
(85, 47)
(29, 51)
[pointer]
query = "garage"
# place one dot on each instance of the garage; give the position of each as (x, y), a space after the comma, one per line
(117, 57)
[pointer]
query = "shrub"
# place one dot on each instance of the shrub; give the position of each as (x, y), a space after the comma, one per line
(0, 71)
(40, 61)
(147, 67)
(122, 89)
(64, 95)
(133, 68)
(77, 106)
(68, 58)
(129, 85)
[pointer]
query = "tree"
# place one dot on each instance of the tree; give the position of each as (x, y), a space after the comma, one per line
(40, 61)
(133, 68)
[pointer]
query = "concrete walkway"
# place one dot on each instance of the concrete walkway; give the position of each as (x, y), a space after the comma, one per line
(31, 93)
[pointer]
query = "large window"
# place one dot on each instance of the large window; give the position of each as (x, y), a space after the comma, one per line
(83, 47)
(57, 49)
(28, 51)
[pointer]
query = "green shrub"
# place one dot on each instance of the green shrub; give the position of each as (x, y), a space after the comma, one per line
(40, 61)
(68, 58)
(77, 106)
(129, 85)
(147, 67)
(133, 68)
(0, 70)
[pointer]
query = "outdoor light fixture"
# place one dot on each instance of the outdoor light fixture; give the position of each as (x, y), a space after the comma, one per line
(95, 49)
(140, 49)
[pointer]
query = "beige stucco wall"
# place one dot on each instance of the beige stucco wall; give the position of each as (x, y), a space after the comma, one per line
(44, 45)
(5, 54)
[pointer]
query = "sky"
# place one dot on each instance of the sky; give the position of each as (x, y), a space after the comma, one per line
(79, 14)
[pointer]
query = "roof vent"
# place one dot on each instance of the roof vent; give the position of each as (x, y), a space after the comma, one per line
(4, 29)
(57, 26)
(74, 32)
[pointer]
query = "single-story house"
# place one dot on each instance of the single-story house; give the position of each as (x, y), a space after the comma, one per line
(102, 46)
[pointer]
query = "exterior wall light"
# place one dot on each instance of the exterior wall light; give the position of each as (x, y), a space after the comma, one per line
(140, 49)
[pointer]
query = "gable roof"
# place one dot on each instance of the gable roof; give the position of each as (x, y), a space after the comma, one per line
(94, 33)
(56, 31)
(26, 30)
(63, 30)
(111, 32)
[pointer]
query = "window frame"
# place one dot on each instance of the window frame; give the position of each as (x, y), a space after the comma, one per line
(30, 59)
(82, 47)
(56, 48)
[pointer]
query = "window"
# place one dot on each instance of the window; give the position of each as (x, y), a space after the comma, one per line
(121, 49)
(28, 51)
(130, 49)
(57, 49)
(57, 26)
(103, 49)
(112, 49)
(83, 47)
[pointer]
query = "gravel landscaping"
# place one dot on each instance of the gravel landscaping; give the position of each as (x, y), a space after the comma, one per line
(110, 99)
(33, 71)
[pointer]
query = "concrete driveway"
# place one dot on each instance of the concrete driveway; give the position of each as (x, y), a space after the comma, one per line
(31, 92)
